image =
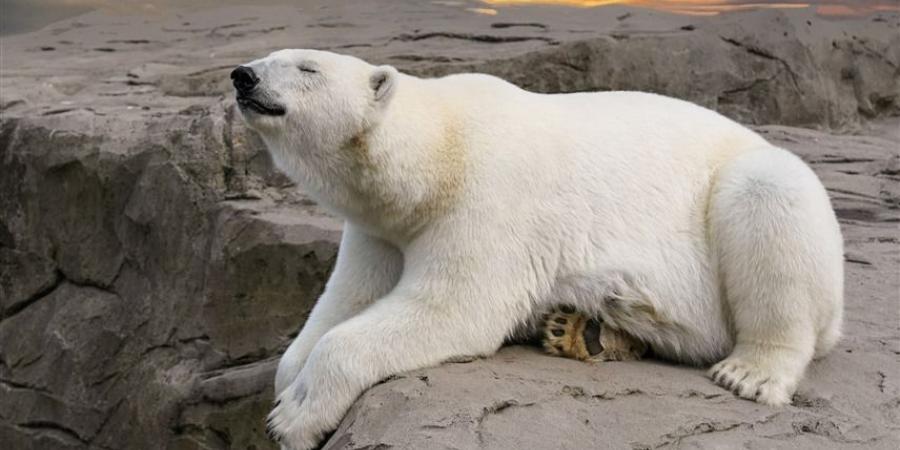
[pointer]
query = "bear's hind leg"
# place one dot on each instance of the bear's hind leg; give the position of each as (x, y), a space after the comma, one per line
(780, 255)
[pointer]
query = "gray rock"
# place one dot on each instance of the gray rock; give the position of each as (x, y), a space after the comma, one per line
(753, 78)
(142, 264)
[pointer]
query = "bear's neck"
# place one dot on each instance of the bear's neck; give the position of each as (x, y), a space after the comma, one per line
(399, 176)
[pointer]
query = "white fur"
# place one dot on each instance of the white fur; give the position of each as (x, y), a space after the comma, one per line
(472, 205)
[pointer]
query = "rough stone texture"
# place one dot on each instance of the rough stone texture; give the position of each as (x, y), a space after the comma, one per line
(133, 277)
(789, 67)
(153, 264)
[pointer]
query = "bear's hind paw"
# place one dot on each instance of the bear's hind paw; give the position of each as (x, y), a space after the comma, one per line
(564, 334)
(570, 334)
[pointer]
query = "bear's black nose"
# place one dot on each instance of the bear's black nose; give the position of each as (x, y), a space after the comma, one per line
(244, 79)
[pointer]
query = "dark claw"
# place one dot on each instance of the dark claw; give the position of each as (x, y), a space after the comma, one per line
(737, 384)
(568, 309)
(561, 320)
(719, 377)
(558, 333)
(270, 431)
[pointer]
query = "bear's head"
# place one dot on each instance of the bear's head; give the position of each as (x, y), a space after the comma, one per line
(307, 103)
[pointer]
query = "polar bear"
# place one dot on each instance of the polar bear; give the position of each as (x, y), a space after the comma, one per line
(472, 206)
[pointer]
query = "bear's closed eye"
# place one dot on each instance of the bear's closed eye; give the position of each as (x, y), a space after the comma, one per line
(307, 69)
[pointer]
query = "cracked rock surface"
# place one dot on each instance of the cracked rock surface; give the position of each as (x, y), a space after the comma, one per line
(154, 265)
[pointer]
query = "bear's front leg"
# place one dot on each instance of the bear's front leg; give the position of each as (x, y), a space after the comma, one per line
(422, 322)
(367, 268)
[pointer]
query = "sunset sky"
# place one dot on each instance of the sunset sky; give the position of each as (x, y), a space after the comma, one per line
(712, 7)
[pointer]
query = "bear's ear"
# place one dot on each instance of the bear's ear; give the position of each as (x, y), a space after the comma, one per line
(382, 81)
